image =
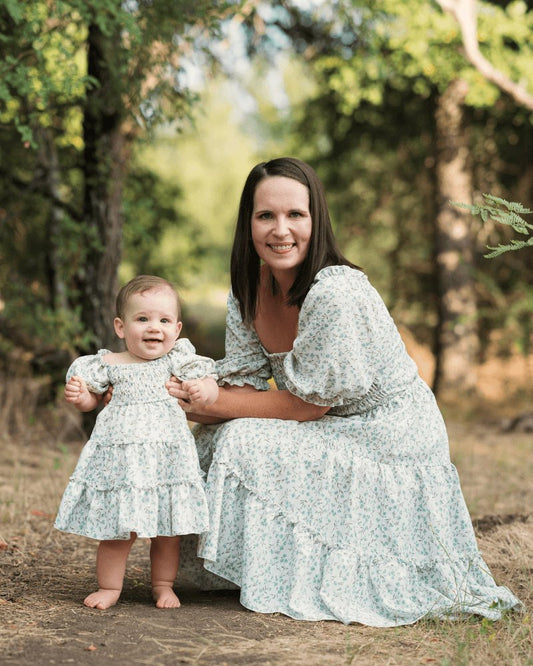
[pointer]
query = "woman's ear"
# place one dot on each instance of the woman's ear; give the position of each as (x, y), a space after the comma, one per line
(119, 327)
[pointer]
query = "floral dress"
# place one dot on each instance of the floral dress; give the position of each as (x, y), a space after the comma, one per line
(357, 516)
(139, 471)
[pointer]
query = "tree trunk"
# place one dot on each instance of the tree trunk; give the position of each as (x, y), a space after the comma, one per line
(458, 342)
(48, 161)
(106, 154)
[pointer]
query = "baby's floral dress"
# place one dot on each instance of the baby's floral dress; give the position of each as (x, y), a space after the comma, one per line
(357, 516)
(139, 471)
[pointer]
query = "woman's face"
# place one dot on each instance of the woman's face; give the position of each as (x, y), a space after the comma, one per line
(281, 223)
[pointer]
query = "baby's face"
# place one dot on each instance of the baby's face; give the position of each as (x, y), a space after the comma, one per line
(150, 326)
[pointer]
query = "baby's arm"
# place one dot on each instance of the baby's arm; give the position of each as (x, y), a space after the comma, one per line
(201, 391)
(77, 393)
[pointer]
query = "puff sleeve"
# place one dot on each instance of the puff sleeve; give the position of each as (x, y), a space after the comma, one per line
(93, 370)
(332, 362)
(186, 364)
(245, 361)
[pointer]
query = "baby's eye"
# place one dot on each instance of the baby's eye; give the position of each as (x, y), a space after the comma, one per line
(165, 320)
(143, 318)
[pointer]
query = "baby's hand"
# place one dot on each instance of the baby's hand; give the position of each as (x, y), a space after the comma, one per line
(76, 390)
(201, 391)
(77, 393)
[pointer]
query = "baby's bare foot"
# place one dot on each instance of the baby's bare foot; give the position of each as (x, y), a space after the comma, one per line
(102, 598)
(165, 597)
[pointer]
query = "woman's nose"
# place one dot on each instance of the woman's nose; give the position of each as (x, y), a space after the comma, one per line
(281, 227)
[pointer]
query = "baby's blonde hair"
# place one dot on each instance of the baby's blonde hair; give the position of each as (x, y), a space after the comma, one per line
(140, 284)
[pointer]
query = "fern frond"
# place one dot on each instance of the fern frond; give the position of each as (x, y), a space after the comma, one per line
(514, 206)
(513, 245)
(505, 212)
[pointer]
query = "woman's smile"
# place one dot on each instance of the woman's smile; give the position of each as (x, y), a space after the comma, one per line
(282, 248)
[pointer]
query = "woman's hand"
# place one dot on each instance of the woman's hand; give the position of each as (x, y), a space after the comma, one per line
(195, 412)
(106, 399)
(201, 392)
(235, 402)
(175, 388)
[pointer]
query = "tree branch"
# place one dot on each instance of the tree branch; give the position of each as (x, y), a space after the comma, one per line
(37, 187)
(464, 12)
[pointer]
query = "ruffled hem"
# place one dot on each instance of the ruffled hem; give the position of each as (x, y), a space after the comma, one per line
(167, 510)
(114, 462)
(225, 377)
(296, 573)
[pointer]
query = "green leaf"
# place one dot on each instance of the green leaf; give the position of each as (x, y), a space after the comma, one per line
(504, 212)
(14, 9)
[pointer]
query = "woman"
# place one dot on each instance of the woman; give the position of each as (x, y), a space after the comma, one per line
(334, 496)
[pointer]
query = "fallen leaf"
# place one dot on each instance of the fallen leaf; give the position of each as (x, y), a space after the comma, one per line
(91, 648)
(41, 514)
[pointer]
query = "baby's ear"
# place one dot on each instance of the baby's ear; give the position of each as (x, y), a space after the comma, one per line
(179, 325)
(119, 327)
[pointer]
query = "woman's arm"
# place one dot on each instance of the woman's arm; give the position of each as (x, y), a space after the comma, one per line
(235, 402)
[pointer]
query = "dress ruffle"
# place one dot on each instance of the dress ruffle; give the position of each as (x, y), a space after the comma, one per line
(114, 513)
(304, 574)
(350, 519)
(230, 371)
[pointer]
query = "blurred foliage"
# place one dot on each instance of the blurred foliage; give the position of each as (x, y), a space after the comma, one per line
(43, 69)
(44, 91)
(352, 91)
(208, 160)
(149, 211)
(368, 128)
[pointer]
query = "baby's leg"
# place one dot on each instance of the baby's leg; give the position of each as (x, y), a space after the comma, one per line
(110, 568)
(164, 556)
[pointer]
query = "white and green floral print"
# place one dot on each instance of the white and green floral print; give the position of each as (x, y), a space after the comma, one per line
(358, 516)
(139, 471)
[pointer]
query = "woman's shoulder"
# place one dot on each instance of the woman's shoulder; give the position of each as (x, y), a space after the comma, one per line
(340, 288)
(340, 271)
(338, 279)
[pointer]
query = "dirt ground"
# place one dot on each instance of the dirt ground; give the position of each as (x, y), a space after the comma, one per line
(44, 576)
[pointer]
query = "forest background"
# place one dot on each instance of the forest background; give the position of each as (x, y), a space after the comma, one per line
(127, 129)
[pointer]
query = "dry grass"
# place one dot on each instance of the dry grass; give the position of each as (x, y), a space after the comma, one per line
(44, 575)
